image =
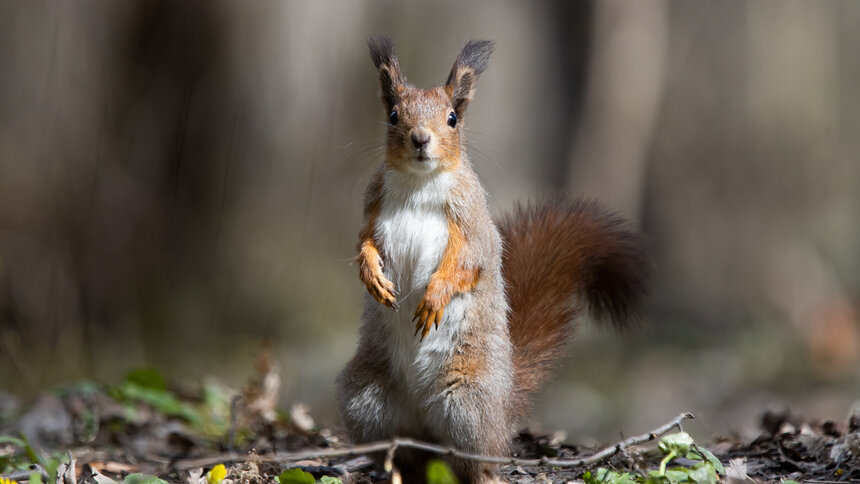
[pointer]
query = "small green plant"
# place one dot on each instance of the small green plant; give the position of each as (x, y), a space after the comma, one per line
(142, 479)
(23, 456)
(295, 476)
(145, 385)
(298, 476)
(438, 472)
(680, 444)
(604, 475)
(210, 418)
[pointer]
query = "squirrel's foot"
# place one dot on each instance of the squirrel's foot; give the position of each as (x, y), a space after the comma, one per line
(426, 317)
(431, 308)
(379, 286)
(382, 290)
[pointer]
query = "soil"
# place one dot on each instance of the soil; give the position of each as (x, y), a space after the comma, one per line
(179, 433)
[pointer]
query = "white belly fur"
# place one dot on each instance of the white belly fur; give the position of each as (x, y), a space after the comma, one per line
(412, 230)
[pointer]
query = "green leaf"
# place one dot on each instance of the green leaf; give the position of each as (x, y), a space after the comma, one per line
(656, 478)
(51, 466)
(146, 378)
(605, 476)
(330, 480)
(625, 478)
(142, 479)
(679, 442)
(296, 476)
(9, 440)
(160, 400)
(678, 474)
(35, 478)
(703, 473)
(31, 454)
(85, 387)
(718, 466)
(438, 472)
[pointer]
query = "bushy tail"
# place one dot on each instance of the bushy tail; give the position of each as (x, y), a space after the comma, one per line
(560, 257)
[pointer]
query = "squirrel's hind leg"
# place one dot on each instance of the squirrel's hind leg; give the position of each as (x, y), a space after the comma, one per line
(365, 397)
(369, 406)
(470, 413)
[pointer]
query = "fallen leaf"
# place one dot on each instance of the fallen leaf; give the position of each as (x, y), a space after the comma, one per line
(736, 472)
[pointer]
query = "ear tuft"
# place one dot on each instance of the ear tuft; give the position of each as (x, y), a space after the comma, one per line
(475, 54)
(381, 50)
(470, 63)
(384, 57)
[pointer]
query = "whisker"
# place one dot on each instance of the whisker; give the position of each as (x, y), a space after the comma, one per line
(360, 161)
(470, 132)
(484, 157)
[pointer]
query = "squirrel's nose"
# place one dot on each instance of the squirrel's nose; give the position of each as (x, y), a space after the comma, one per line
(420, 138)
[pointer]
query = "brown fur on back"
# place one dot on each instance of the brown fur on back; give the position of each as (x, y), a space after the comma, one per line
(560, 257)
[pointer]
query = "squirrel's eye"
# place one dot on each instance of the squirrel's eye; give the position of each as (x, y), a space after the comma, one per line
(452, 119)
(392, 118)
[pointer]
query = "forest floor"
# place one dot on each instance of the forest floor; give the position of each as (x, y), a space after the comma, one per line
(145, 431)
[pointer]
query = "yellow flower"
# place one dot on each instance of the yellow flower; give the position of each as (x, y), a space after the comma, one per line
(214, 476)
(4, 480)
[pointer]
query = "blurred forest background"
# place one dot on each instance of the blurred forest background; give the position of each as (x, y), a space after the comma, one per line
(180, 180)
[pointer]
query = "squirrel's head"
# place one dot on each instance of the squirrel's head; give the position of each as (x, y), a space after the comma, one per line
(425, 125)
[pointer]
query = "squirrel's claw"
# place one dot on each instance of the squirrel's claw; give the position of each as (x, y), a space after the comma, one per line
(383, 291)
(426, 317)
(423, 327)
(370, 272)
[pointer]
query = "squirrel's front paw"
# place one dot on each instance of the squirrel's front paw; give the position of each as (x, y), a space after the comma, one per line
(382, 290)
(431, 308)
(377, 284)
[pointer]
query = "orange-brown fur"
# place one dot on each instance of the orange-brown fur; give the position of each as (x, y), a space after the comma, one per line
(449, 279)
(465, 365)
(368, 259)
(554, 250)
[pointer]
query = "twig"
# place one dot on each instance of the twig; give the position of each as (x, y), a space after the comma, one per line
(391, 445)
(25, 475)
(234, 408)
(389, 457)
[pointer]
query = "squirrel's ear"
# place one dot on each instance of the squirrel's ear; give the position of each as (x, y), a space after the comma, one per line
(470, 63)
(391, 80)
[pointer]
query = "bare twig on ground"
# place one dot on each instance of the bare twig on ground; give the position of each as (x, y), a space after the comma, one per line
(391, 445)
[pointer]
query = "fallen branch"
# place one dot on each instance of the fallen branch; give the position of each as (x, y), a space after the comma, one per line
(389, 446)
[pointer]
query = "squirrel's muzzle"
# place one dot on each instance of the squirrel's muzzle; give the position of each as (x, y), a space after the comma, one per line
(420, 138)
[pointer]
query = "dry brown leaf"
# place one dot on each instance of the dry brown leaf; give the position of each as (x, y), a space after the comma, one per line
(113, 467)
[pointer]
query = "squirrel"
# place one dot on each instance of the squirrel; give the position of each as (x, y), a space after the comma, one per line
(464, 319)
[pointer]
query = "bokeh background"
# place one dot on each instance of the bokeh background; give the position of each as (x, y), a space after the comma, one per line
(181, 180)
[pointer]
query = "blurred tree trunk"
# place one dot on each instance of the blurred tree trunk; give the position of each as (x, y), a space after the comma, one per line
(571, 36)
(624, 88)
(126, 182)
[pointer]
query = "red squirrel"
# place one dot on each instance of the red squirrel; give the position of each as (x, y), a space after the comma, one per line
(464, 318)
